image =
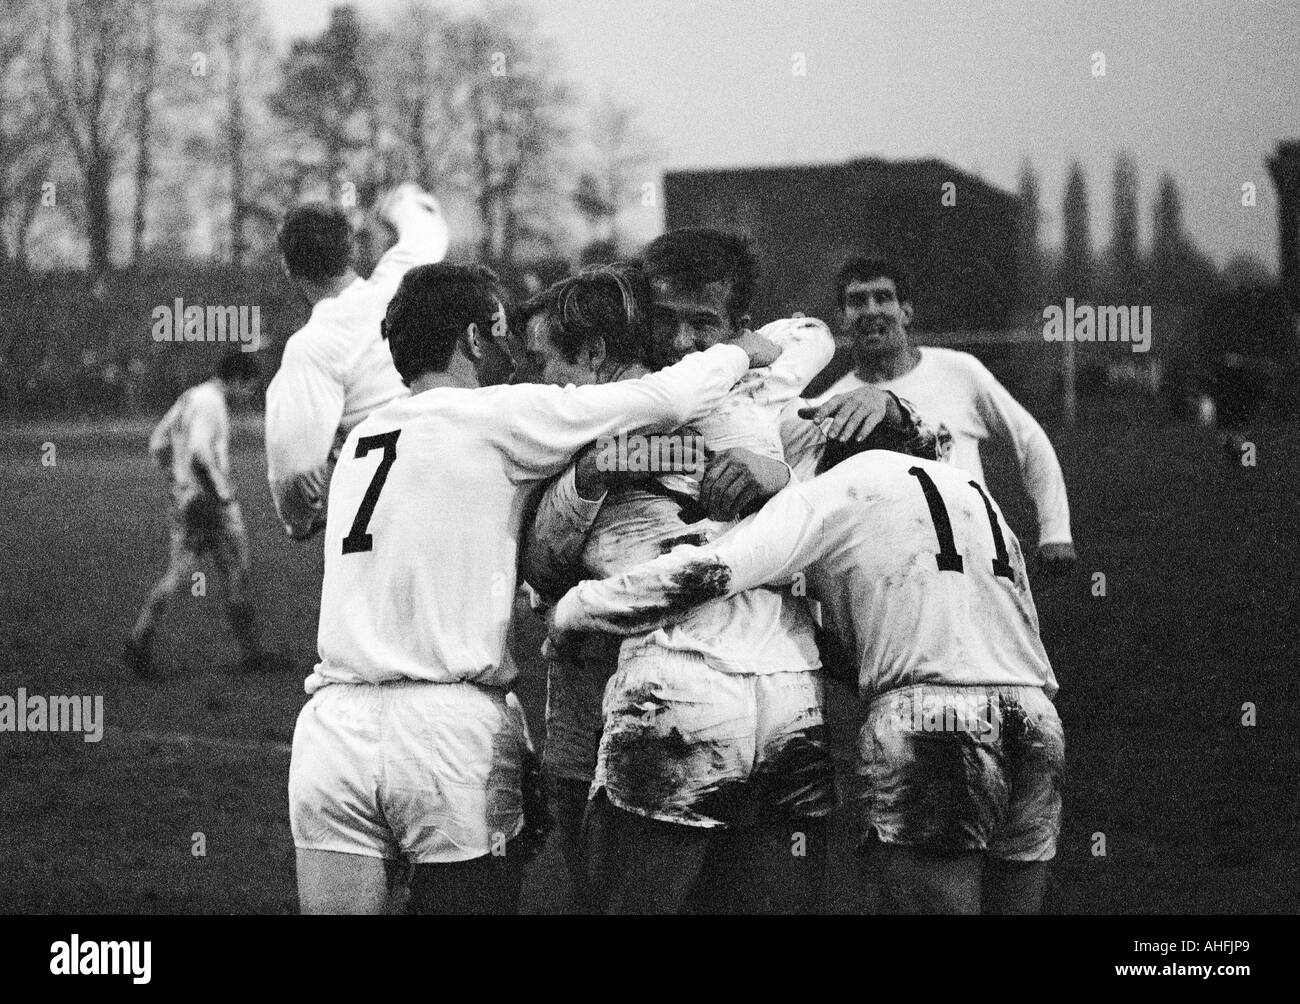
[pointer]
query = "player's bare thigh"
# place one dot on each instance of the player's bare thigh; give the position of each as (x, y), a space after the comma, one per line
(338, 882)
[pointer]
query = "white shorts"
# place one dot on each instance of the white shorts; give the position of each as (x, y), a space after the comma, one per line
(963, 769)
(423, 772)
(686, 743)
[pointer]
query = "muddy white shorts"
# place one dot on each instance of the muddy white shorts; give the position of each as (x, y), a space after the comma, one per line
(686, 743)
(963, 769)
(422, 772)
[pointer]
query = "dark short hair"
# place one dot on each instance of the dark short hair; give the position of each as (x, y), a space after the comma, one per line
(867, 267)
(239, 366)
(432, 307)
(696, 256)
(316, 241)
(611, 302)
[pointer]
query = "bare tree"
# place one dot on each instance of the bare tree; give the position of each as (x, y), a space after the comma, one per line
(327, 101)
(25, 130)
(421, 93)
(515, 112)
(147, 69)
(90, 49)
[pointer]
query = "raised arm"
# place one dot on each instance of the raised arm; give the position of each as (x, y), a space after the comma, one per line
(422, 235)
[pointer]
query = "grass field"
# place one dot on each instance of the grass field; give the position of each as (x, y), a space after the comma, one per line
(1199, 813)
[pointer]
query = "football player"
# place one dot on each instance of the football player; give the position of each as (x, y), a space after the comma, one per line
(949, 388)
(407, 751)
(667, 813)
(191, 444)
(336, 369)
(924, 584)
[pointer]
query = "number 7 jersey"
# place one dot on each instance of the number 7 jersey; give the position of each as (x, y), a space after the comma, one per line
(425, 508)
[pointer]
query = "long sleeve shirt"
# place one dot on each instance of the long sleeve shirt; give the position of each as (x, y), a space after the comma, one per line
(425, 507)
(956, 390)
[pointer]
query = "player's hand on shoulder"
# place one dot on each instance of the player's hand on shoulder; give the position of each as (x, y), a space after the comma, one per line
(1057, 558)
(738, 481)
(761, 351)
(855, 414)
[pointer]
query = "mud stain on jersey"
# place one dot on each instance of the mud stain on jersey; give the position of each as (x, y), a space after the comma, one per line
(696, 583)
(694, 539)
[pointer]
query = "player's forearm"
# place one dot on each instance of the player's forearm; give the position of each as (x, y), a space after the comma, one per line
(769, 547)
(1044, 482)
(690, 388)
(644, 598)
(553, 553)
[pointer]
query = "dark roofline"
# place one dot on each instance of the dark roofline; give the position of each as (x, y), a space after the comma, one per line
(932, 166)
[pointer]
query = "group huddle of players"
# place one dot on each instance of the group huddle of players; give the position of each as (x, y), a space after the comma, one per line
(451, 445)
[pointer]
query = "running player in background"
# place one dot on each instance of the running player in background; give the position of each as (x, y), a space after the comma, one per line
(336, 369)
(924, 584)
(949, 388)
(191, 444)
(407, 752)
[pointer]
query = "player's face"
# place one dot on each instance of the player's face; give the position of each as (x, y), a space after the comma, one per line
(547, 364)
(874, 317)
(689, 320)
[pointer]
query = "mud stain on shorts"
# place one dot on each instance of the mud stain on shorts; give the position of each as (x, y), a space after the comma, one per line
(797, 778)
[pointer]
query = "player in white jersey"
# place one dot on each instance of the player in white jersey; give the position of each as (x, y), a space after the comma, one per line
(336, 369)
(748, 663)
(924, 584)
(407, 751)
(191, 444)
(949, 388)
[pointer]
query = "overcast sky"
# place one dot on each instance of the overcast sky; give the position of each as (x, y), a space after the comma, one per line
(1200, 88)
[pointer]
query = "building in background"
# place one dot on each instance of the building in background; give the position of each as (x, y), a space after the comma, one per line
(805, 221)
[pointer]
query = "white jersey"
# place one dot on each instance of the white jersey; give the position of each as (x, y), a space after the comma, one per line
(956, 390)
(335, 371)
(759, 632)
(425, 507)
(192, 443)
(917, 572)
